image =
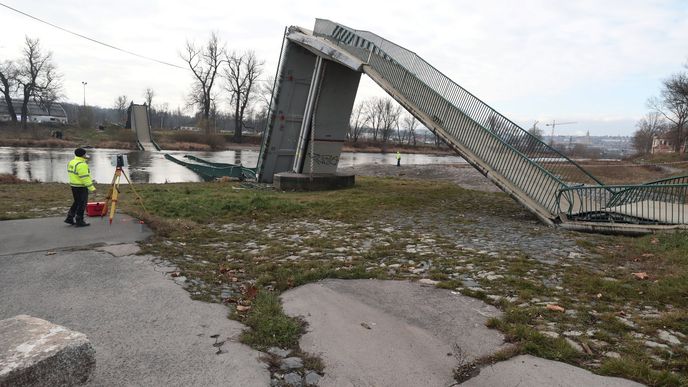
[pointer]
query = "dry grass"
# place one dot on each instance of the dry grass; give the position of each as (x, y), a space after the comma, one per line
(38, 143)
(6, 178)
(624, 172)
(185, 146)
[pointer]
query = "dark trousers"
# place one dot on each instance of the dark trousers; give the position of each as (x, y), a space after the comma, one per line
(80, 195)
(398, 162)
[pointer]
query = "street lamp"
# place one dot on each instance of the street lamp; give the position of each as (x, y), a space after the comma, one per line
(84, 83)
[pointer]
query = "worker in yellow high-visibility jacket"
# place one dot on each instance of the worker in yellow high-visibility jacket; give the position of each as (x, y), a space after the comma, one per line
(82, 184)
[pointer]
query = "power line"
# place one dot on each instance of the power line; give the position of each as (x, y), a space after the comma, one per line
(91, 39)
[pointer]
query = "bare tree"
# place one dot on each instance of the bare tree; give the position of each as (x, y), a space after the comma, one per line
(264, 98)
(358, 122)
(389, 116)
(673, 106)
(8, 85)
(204, 62)
(264, 93)
(373, 115)
(241, 74)
(148, 95)
(121, 104)
(648, 127)
(382, 114)
(410, 124)
(36, 75)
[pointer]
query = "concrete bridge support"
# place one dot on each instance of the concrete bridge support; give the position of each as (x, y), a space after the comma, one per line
(309, 115)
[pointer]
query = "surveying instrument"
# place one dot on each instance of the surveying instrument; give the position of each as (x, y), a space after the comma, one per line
(119, 161)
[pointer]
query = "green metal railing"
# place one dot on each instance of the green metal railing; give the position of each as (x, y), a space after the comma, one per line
(641, 204)
(545, 175)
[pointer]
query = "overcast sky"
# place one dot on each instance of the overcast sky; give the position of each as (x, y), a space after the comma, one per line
(589, 61)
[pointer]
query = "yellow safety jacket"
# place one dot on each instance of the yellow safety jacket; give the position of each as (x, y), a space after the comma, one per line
(79, 174)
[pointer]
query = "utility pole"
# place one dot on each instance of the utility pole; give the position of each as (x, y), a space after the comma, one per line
(84, 83)
(553, 125)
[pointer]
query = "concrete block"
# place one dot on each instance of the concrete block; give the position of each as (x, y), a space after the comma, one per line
(35, 352)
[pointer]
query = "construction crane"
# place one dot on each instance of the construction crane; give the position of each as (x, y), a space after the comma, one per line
(555, 124)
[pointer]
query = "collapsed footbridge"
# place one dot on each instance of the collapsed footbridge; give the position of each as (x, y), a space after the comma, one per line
(138, 121)
(314, 92)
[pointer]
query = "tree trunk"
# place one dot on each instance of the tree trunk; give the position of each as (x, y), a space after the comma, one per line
(25, 107)
(206, 114)
(8, 98)
(237, 121)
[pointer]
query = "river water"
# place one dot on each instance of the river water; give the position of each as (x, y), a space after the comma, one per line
(50, 165)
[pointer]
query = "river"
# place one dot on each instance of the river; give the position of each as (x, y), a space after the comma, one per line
(50, 164)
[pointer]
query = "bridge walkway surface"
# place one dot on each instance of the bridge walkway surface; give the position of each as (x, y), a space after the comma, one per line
(551, 185)
(140, 124)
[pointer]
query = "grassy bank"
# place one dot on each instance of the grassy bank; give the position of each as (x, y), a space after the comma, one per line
(243, 245)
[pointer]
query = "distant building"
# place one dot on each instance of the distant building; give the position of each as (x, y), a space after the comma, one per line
(664, 143)
(37, 113)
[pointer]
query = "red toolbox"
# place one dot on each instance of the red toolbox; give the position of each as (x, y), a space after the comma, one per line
(95, 208)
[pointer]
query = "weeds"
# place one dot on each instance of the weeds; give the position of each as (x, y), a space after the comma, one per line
(228, 240)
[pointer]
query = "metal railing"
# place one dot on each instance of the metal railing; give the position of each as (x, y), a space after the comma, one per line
(548, 177)
(641, 204)
(524, 160)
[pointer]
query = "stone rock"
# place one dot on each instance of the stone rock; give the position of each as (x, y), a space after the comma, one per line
(291, 363)
(657, 359)
(279, 352)
(550, 334)
(613, 355)
(575, 345)
(626, 322)
(428, 281)
(668, 337)
(180, 280)
(35, 352)
(572, 333)
(312, 379)
(293, 379)
(652, 344)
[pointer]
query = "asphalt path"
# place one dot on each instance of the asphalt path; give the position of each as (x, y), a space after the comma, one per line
(144, 327)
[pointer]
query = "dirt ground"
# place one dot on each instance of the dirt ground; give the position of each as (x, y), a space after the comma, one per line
(463, 175)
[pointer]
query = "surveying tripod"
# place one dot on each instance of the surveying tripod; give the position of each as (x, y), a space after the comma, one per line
(113, 192)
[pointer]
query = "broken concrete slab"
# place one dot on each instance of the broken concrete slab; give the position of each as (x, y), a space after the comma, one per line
(372, 332)
(28, 235)
(526, 370)
(35, 352)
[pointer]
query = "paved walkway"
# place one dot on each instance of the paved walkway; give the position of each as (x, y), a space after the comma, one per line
(396, 333)
(145, 328)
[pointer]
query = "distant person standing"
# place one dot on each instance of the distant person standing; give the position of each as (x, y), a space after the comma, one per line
(81, 183)
(398, 159)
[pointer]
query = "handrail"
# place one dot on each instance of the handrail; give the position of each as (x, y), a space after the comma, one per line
(646, 203)
(375, 43)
